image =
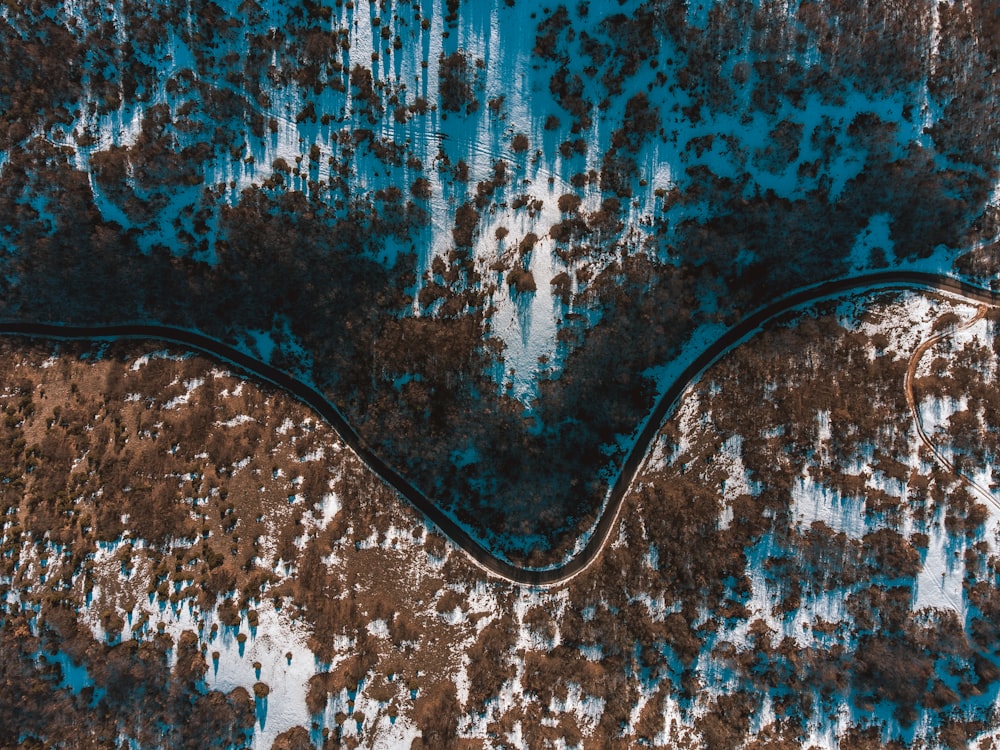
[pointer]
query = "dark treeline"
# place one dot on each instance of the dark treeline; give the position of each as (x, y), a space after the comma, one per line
(303, 259)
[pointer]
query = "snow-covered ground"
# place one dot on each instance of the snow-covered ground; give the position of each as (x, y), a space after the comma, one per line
(446, 606)
(512, 88)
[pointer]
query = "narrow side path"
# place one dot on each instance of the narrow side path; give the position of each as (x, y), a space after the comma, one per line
(911, 371)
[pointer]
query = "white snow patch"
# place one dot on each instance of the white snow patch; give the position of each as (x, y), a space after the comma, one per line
(191, 385)
(235, 421)
(813, 502)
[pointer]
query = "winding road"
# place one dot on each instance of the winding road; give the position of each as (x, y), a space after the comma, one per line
(601, 532)
(911, 402)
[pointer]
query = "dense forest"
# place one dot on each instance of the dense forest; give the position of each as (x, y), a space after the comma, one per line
(147, 175)
(191, 559)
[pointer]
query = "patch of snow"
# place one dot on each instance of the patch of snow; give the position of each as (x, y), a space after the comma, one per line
(235, 421)
(939, 584)
(812, 502)
(185, 397)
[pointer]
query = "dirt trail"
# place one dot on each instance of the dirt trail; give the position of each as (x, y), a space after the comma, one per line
(911, 371)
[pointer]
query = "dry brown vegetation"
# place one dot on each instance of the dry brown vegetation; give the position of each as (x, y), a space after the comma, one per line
(198, 495)
(298, 253)
(84, 466)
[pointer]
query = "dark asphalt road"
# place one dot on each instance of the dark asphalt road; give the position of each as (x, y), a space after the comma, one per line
(539, 577)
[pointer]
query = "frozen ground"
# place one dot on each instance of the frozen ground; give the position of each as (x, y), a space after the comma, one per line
(794, 589)
(511, 86)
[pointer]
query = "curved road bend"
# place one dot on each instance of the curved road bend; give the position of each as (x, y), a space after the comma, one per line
(911, 402)
(479, 554)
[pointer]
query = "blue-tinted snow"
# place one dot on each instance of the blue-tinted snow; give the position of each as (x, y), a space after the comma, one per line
(496, 35)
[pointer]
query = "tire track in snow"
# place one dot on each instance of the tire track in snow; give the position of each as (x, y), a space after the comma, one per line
(911, 371)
